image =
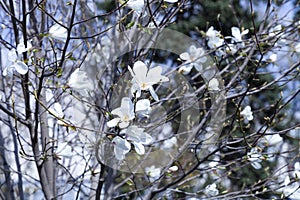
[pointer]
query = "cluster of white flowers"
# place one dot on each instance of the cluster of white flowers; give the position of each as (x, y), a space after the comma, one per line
(143, 80)
(256, 155)
(216, 41)
(16, 63)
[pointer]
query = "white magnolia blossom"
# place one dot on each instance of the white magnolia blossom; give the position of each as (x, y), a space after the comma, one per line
(134, 135)
(80, 81)
(195, 57)
(58, 32)
(153, 173)
(273, 139)
(238, 35)
(21, 47)
(142, 107)
(16, 65)
(255, 157)
(292, 191)
(215, 39)
(125, 113)
(213, 84)
(247, 113)
(138, 138)
(211, 190)
(144, 79)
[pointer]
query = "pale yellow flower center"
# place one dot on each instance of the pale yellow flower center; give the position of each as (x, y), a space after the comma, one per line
(143, 86)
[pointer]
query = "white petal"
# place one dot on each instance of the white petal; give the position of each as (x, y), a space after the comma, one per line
(146, 138)
(21, 47)
(139, 71)
(185, 56)
(213, 84)
(287, 180)
(198, 67)
(256, 165)
(211, 32)
(133, 133)
(236, 33)
(297, 48)
(123, 124)
(80, 81)
(245, 32)
(9, 71)
(142, 105)
(58, 32)
(171, 1)
(112, 123)
(136, 5)
(122, 147)
(139, 148)
(153, 94)
(21, 67)
(154, 76)
(127, 107)
(56, 110)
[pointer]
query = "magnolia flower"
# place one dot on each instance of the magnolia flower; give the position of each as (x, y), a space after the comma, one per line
(138, 138)
(80, 81)
(237, 36)
(273, 139)
(213, 84)
(143, 107)
(254, 156)
(211, 190)
(153, 173)
(247, 113)
(133, 135)
(17, 65)
(214, 38)
(125, 113)
(121, 147)
(21, 47)
(144, 79)
(193, 58)
(58, 32)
